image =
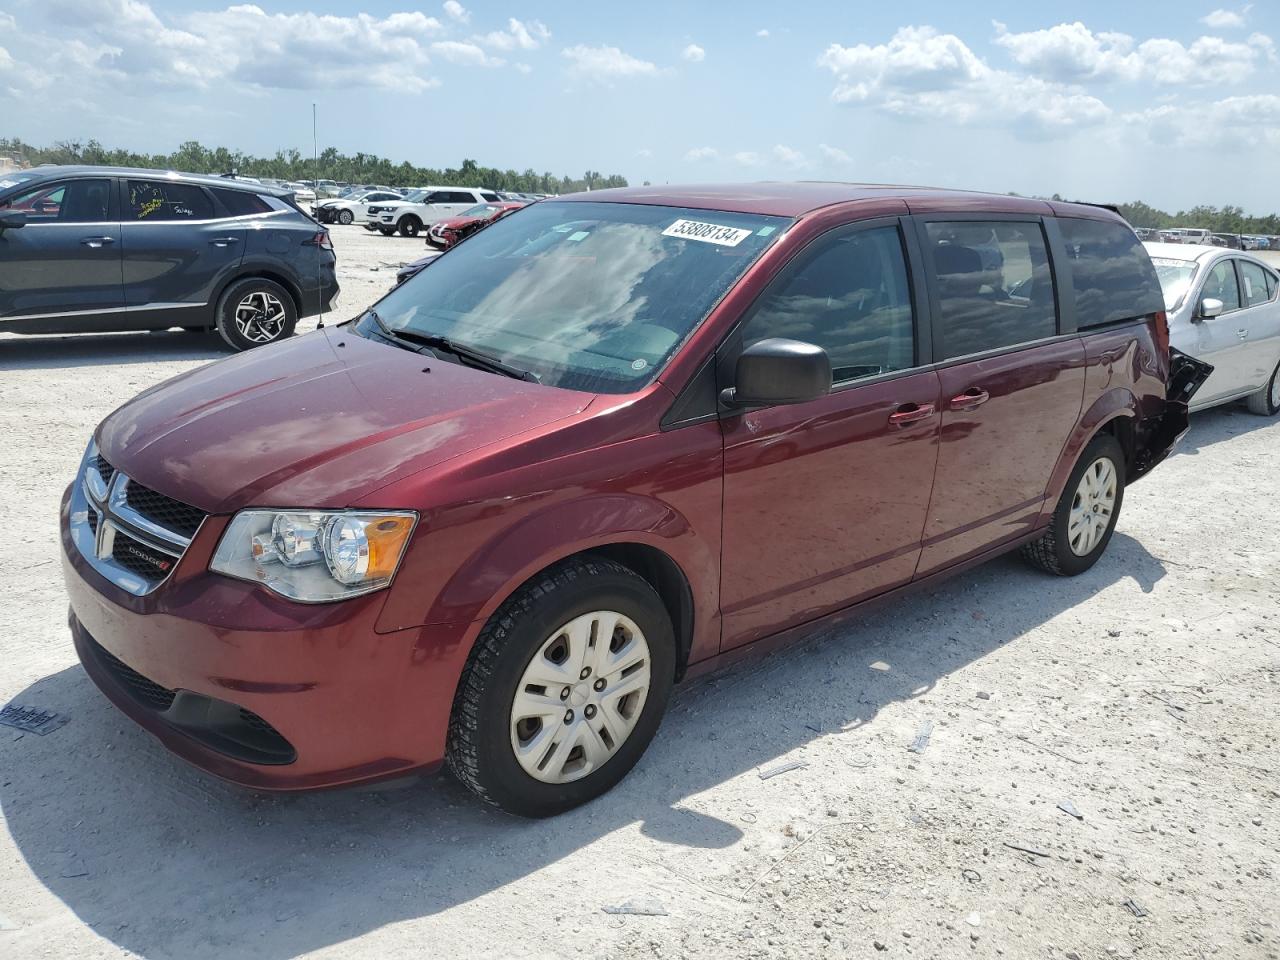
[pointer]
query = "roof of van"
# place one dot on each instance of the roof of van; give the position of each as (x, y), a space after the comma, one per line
(795, 199)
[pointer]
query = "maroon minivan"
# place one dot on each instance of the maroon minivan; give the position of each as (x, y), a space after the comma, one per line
(609, 442)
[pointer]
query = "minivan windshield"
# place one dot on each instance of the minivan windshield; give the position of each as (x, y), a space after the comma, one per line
(592, 296)
(1175, 279)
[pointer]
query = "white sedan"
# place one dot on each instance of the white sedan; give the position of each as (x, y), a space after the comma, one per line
(1224, 308)
(351, 209)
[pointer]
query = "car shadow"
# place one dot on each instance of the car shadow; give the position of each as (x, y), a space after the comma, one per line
(130, 838)
(1218, 424)
(92, 349)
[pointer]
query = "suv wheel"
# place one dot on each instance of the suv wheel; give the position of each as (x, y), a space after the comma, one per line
(564, 689)
(346, 217)
(254, 312)
(1086, 514)
(409, 226)
(1266, 402)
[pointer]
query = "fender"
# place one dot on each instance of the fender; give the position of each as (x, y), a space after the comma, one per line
(1115, 404)
(507, 559)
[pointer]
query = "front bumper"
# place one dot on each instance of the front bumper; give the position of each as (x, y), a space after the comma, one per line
(261, 691)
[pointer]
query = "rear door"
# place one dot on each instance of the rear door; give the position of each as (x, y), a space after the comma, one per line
(61, 271)
(179, 247)
(1011, 382)
(824, 502)
(1260, 322)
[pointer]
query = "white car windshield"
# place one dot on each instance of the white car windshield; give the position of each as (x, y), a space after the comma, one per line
(1175, 279)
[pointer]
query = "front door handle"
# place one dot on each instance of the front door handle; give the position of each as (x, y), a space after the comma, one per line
(97, 242)
(971, 399)
(910, 413)
(224, 241)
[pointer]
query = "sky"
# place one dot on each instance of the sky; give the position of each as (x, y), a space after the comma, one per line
(1174, 102)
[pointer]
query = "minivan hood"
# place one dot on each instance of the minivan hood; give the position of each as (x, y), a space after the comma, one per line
(321, 420)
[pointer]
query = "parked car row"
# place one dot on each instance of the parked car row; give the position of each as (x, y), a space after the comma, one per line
(1235, 241)
(517, 499)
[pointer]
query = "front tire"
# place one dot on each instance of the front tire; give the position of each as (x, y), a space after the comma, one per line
(564, 689)
(1266, 402)
(255, 312)
(409, 226)
(1085, 517)
(346, 217)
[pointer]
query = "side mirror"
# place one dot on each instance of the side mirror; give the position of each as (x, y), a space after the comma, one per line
(12, 219)
(777, 371)
(1211, 307)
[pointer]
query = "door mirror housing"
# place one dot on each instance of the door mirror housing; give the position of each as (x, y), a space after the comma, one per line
(12, 219)
(779, 371)
(1211, 307)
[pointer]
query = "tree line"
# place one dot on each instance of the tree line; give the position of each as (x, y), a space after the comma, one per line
(1214, 219)
(194, 157)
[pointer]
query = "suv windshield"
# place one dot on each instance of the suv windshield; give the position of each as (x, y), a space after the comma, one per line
(588, 296)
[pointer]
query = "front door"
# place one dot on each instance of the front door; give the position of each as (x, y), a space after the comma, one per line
(176, 251)
(824, 502)
(61, 271)
(1012, 387)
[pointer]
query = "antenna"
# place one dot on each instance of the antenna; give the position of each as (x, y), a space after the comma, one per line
(315, 188)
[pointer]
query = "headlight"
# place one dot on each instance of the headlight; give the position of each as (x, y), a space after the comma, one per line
(315, 556)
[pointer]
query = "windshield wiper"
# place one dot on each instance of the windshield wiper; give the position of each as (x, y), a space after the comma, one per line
(435, 342)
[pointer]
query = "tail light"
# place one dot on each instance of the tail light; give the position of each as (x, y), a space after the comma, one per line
(320, 240)
(1162, 333)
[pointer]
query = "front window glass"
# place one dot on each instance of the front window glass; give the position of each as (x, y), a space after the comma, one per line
(1175, 279)
(1221, 285)
(75, 201)
(587, 296)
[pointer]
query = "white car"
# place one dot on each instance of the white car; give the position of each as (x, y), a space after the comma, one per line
(302, 192)
(353, 208)
(1224, 308)
(437, 203)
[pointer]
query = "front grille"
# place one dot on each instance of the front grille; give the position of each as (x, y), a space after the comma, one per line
(132, 535)
(170, 513)
(146, 692)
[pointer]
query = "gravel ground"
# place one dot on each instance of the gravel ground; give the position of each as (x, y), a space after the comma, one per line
(1144, 693)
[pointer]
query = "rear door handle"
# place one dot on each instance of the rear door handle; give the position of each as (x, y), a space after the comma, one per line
(224, 241)
(971, 399)
(1242, 334)
(97, 242)
(910, 413)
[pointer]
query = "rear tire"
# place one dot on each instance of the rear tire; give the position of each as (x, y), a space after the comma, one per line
(254, 312)
(346, 217)
(594, 731)
(1085, 517)
(409, 226)
(1266, 402)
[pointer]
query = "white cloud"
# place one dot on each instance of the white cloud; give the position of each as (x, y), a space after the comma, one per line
(747, 158)
(111, 45)
(524, 68)
(1226, 19)
(1072, 53)
(762, 33)
(694, 53)
(702, 153)
(833, 154)
(605, 63)
(465, 54)
(1249, 121)
(922, 73)
(644, 152)
(525, 36)
(789, 157)
(457, 11)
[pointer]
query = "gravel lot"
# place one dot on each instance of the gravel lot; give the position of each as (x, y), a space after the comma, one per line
(1144, 692)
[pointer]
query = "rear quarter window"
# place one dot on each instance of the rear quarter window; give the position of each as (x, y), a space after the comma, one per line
(1111, 272)
(241, 203)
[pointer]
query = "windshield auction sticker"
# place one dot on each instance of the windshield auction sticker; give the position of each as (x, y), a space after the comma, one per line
(706, 233)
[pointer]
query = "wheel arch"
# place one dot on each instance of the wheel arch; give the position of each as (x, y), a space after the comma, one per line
(252, 272)
(1115, 412)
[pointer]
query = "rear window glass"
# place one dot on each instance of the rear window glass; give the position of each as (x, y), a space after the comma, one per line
(150, 200)
(1112, 274)
(994, 286)
(241, 203)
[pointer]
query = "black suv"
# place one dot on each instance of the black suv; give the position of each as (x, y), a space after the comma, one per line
(92, 249)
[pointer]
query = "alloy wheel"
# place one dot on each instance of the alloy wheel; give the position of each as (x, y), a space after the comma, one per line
(580, 697)
(1092, 507)
(260, 317)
